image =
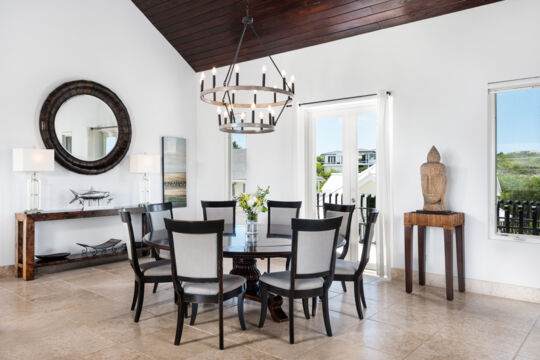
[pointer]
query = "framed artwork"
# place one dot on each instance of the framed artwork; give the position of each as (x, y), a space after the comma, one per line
(173, 151)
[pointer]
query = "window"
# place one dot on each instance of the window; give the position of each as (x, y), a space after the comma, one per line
(515, 190)
(238, 164)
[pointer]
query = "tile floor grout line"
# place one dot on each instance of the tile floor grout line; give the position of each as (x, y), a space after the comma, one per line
(525, 339)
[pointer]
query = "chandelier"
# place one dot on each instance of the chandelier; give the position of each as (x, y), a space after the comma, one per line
(248, 109)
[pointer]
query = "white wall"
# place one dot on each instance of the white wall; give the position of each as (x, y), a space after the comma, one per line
(438, 71)
(46, 43)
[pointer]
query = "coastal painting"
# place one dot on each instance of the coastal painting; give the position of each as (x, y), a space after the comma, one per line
(174, 171)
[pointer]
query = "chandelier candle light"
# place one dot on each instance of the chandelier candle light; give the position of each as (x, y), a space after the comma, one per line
(232, 97)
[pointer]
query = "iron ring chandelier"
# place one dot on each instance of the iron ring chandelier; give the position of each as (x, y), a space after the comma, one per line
(230, 99)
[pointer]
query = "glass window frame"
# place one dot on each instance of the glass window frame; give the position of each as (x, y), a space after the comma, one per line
(493, 90)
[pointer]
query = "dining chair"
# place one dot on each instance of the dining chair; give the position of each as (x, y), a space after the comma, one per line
(197, 270)
(347, 211)
(353, 271)
(313, 259)
(280, 214)
(217, 210)
(155, 213)
(158, 271)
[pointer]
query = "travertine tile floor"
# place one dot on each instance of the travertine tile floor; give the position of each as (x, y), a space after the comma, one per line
(84, 314)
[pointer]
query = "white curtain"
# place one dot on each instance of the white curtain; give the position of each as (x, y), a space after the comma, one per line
(384, 226)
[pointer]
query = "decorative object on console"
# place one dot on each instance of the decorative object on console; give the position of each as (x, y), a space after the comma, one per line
(174, 171)
(433, 174)
(33, 160)
(91, 197)
(108, 245)
(53, 257)
(253, 204)
(230, 97)
(144, 164)
(87, 125)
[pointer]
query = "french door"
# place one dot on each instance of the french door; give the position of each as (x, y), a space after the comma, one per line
(341, 150)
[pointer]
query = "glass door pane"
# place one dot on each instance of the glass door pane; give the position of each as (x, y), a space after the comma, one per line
(329, 153)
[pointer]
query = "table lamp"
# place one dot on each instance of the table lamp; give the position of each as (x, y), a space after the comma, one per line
(33, 160)
(144, 164)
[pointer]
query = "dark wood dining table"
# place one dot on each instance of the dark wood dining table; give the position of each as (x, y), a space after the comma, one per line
(244, 250)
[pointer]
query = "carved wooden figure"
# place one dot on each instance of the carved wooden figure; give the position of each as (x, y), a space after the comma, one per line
(433, 174)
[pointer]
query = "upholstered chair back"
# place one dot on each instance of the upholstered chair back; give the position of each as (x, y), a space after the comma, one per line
(280, 214)
(345, 211)
(314, 245)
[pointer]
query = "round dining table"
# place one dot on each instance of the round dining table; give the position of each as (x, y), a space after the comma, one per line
(245, 249)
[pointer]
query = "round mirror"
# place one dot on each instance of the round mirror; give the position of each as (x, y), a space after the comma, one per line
(87, 125)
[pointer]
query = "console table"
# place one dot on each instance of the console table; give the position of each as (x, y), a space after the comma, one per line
(449, 222)
(25, 236)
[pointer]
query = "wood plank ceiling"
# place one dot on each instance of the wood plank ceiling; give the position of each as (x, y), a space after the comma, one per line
(206, 32)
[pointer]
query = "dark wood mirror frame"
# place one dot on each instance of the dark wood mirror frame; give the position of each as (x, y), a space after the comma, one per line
(48, 132)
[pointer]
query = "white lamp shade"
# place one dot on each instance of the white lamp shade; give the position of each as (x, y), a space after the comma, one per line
(33, 160)
(144, 164)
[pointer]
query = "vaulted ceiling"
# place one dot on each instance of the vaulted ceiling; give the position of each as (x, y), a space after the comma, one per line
(206, 32)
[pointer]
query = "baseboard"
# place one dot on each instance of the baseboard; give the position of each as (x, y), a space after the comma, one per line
(6, 270)
(483, 287)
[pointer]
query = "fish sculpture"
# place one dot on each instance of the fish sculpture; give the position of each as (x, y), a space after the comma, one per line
(91, 196)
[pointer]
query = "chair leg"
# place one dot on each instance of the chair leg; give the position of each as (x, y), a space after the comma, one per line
(326, 314)
(155, 288)
(314, 306)
(288, 263)
(344, 286)
(291, 320)
(221, 345)
(135, 293)
(185, 310)
(139, 301)
(357, 300)
(179, 322)
(305, 304)
(194, 307)
(241, 310)
(264, 306)
(268, 266)
(362, 297)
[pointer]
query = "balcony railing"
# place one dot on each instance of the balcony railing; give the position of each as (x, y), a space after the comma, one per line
(517, 217)
(364, 206)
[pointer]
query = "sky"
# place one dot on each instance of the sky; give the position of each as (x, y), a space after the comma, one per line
(518, 120)
(329, 133)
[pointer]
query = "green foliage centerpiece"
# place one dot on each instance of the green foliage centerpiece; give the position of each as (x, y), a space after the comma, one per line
(253, 204)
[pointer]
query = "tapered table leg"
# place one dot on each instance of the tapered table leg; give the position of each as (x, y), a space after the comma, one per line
(422, 255)
(460, 254)
(408, 259)
(448, 262)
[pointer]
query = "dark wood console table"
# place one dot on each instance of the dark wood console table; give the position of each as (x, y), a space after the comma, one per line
(25, 236)
(449, 222)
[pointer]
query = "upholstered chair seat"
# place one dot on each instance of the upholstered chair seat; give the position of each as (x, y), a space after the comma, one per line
(282, 280)
(157, 268)
(230, 283)
(344, 267)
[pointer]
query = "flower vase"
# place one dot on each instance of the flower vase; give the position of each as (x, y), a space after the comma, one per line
(251, 226)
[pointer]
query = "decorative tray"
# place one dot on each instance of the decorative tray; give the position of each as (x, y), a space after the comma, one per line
(53, 257)
(94, 249)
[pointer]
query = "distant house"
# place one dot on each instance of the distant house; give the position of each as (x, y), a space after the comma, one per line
(334, 160)
(366, 157)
